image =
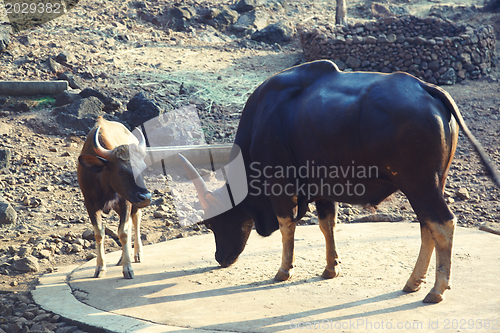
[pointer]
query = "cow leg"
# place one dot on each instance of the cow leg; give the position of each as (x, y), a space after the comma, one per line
(419, 274)
(437, 229)
(327, 215)
(287, 229)
(442, 234)
(124, 233)
(99, 235)
(136, 220)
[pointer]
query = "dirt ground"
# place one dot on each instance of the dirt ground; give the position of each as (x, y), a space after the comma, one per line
(120, 55)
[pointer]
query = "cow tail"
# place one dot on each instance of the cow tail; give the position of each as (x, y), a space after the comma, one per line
(450, 104)
(302, 205)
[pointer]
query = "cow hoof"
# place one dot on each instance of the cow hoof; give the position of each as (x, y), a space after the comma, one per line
(128, 274)
(137, 257)
(330, 273)
(100, 272)
(411, 288)
(283, 275)
(433, 297)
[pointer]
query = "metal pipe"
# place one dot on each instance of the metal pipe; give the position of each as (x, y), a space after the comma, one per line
(28, 88)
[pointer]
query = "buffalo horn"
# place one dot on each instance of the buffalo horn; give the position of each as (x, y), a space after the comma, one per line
(100, 150)
(199, 183)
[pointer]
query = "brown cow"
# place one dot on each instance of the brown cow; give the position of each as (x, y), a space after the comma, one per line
(109, 176)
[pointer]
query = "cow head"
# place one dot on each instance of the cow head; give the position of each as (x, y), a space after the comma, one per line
(120, 168)
(230, 225)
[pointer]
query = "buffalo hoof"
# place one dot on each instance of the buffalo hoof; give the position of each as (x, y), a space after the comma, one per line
(99, 272)
(137, 257)
(128, 273)
(283, 275)
(411, 288)
(433, 297)
(330, 273)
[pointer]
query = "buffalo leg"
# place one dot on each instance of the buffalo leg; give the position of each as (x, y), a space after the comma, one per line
(327, 214)
(136, 220)
(124, 232)
(99, 235)
(419, 273)
(287, 229)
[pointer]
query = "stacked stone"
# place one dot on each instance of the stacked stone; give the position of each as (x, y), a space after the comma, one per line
(435, 50)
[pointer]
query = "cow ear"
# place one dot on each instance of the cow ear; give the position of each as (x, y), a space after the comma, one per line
(212, 201)
(94, 164)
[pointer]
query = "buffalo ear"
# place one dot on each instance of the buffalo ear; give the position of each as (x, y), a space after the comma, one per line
(94, 164)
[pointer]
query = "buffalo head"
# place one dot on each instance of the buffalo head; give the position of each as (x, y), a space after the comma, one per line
(121, 168)
(230, 225)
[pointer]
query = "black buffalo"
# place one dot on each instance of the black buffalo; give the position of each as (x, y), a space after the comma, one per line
(314, 134)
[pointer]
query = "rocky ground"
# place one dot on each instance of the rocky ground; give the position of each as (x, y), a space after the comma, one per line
(124, 49)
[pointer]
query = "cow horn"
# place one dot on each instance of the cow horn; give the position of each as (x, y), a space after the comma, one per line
(100, 150)
(142, 139)
(199, 183)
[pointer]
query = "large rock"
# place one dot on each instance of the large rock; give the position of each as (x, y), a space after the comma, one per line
(175, 128)
(81, 115)
(86, 107)
(181, 17)
(251, 21)
(140, 109)
(281, 33)
(110, 104)
(66, 98)
(28, 264)
(8, 214)
(221, 18)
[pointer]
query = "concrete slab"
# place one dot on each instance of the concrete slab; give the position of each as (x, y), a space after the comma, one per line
(179, 286)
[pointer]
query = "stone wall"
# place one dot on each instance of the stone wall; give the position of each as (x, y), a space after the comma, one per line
(435, 50)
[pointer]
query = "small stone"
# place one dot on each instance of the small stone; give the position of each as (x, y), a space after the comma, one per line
(65, 57)
(14, 283)
(88, 235)
(463, 194)
(157, 215)
(54, 66)
(8, 214)
(90, 256)
(493, 228)
(41, 317)
(76, 248)
(28, 315)
(44, 254)
(28, 264)
(347, 211)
